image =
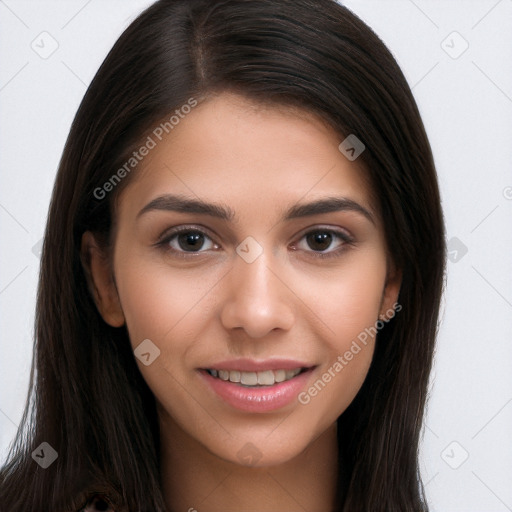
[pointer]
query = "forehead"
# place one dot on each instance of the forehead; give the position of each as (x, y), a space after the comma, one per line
(232, 150)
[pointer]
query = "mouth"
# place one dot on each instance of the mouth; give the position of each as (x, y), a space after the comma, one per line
(257, 387)
(260, 379)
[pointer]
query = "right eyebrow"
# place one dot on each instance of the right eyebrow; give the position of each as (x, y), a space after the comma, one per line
(176, 203)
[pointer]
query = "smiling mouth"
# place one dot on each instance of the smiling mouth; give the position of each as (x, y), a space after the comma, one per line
(256, 379)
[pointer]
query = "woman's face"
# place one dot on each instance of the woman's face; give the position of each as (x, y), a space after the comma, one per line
(247, 248)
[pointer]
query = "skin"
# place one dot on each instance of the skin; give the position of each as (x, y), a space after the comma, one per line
(212, 305)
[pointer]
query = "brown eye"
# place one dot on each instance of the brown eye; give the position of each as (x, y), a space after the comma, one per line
(319, 240)
(324, 242)
(191, 241)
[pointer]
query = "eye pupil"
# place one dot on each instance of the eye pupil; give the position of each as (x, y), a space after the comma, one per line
(191, 241)
(319, 240)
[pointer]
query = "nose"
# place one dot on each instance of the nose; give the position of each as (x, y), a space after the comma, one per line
(258, 301)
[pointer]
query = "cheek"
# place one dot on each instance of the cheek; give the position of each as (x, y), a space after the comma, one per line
(158, 303)
(348, 308)
(172, 309)
(345, 301)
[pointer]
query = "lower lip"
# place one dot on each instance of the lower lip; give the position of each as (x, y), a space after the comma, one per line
(264, 399)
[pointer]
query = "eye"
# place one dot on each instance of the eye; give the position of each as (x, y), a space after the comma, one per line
(323, 242)
(183, 240)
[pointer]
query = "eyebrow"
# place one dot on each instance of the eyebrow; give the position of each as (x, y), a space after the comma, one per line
(183, 204)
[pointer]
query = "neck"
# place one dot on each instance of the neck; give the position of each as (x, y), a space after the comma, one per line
(194, 479)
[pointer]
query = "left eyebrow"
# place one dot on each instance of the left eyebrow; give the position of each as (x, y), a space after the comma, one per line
(328, 205)
(186, 205)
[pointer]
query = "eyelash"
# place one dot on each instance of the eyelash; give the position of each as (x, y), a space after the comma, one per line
(166, 238)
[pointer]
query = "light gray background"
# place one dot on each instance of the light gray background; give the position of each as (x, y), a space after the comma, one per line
(466, 103)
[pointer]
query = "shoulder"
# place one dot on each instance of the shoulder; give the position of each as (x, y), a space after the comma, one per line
(97, 503)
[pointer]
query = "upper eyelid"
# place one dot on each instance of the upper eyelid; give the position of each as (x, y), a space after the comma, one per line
(169, 233)
(345, 235)
(320, 227)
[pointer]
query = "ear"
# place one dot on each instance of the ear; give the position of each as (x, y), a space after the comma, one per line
(389, 302)
(100, 280)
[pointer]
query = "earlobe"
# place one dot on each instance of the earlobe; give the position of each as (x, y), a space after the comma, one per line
(390, 294)
(100, 280)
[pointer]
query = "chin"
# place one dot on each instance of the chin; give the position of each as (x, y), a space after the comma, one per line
(260, 451)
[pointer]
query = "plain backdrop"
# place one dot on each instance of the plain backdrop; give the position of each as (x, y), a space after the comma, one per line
(457, 57)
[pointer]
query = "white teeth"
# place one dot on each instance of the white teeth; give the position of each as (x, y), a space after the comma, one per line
(248, 378)
(266, 378)
(263, 378)
(279, 375)
(234, 376)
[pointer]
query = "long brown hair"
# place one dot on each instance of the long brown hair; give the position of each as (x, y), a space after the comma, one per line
(87, 397)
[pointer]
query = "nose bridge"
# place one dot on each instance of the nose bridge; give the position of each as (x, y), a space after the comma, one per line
(257, 300)
(255, 282)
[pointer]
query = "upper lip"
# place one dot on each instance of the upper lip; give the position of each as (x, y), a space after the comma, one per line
(250, 365)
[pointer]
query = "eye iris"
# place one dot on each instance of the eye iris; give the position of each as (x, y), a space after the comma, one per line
(191, 241)
(319, 240)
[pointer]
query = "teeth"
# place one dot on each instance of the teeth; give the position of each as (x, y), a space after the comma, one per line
(235, 376)
(264, 378)
(248, 378)
(279, 375)
(290, 374)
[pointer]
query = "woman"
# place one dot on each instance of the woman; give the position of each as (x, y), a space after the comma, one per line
(241, 273)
